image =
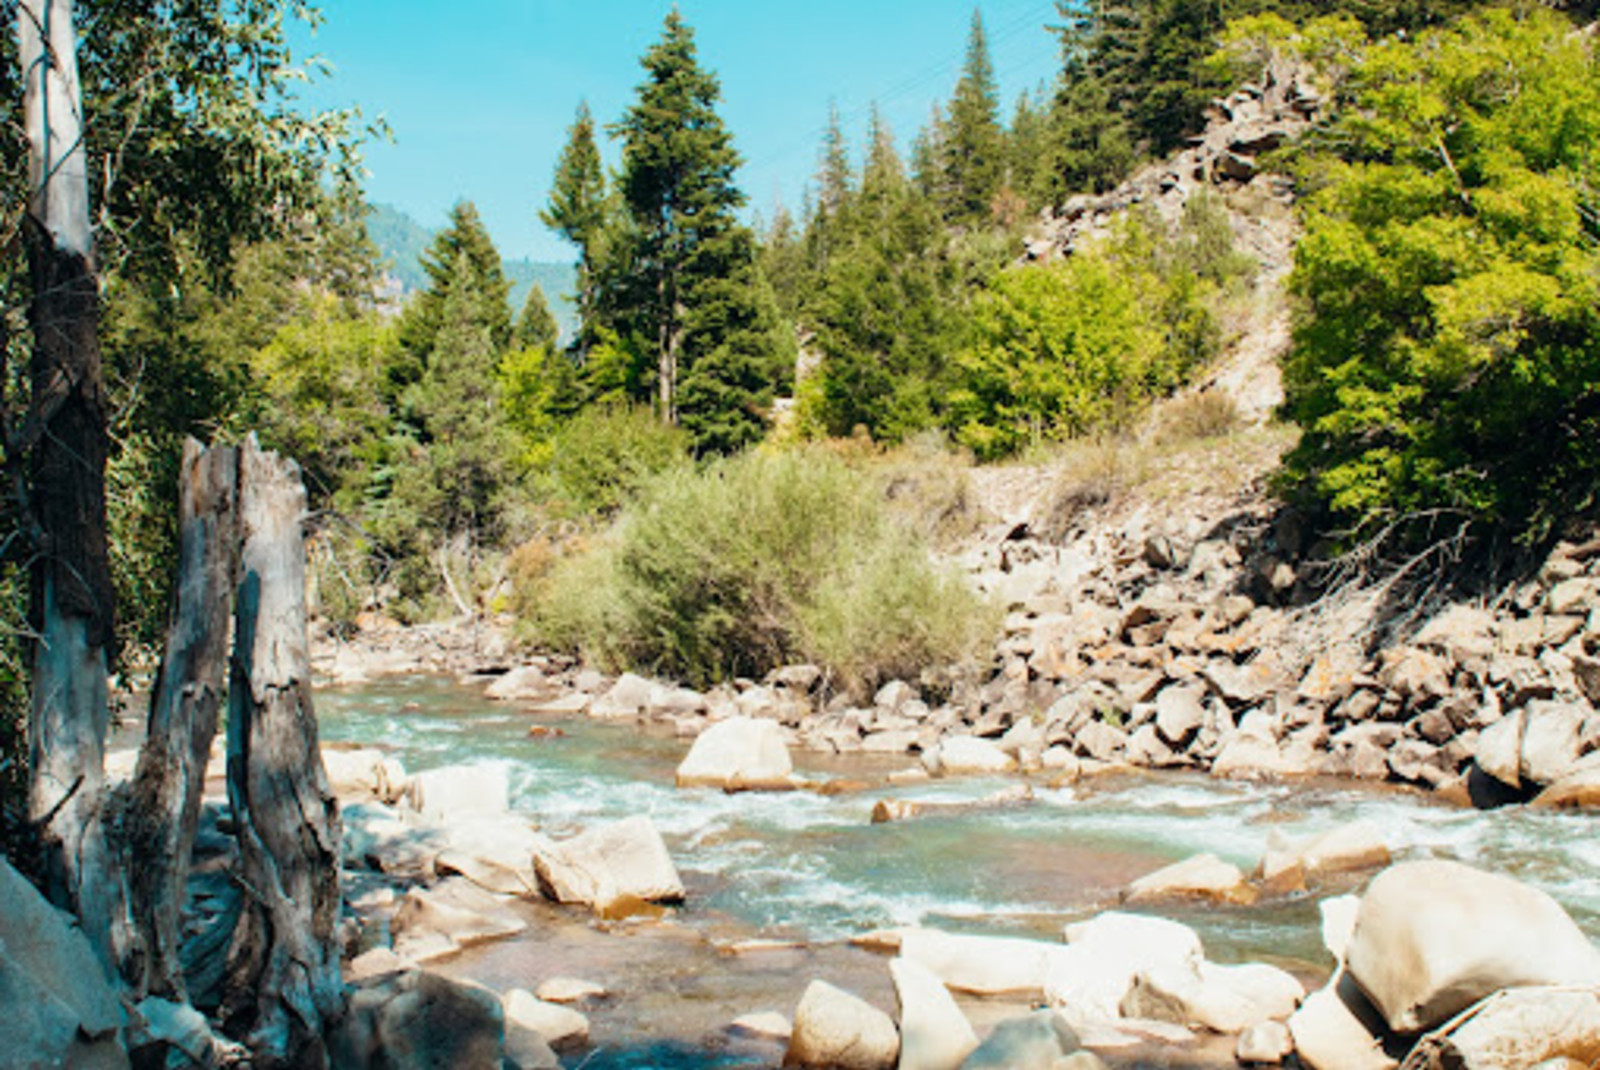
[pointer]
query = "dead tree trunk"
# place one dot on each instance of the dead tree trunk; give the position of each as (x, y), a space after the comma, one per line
(283, 982)
(65, 433)
(164, 805)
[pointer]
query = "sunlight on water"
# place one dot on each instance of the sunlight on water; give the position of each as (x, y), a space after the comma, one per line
(811, 866)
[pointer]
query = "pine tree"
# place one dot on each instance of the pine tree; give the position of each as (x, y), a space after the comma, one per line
(537, 327)
(464, 240)
(578, 206)
(834, 177)
(703, 309)
(973, 154)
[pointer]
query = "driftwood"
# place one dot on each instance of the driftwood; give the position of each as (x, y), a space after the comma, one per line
(283, 983)
(164, 804)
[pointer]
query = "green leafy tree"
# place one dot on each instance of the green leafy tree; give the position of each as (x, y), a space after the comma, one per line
(1446, 357)
(704, 309)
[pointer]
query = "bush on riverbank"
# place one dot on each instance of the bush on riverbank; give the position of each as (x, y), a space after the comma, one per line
(756, 562)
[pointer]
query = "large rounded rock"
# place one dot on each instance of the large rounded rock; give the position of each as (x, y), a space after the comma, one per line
(1432, 938)
(741, 753)
(934, 1034)
(839, 1031)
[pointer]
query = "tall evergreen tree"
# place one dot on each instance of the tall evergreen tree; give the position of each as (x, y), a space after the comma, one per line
(578, 204)
(710, 320)
(973, 153)
(834, 175)
(464, 240)
(537, 327)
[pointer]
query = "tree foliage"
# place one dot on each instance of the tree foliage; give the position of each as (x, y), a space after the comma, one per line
(1447, 354)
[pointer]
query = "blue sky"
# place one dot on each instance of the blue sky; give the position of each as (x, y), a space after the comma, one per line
(480, 95)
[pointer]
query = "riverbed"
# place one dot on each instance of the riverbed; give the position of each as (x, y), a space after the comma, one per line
(779, 883)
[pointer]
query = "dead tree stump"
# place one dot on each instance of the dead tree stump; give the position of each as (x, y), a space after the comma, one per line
(283, 983)
(163, 807)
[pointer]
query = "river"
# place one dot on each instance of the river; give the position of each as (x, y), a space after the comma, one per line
(814, 870)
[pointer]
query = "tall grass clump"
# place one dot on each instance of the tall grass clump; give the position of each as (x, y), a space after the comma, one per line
(755, 562)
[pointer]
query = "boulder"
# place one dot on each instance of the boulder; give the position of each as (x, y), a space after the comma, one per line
(1335, 1029)
(561, 1027)
(1201, 877)
(419, 1019)
(1434, 937)
(364, 773)
(1499, 749)
(457, 791)
(960, 755)
(934, 1033)
(836, 1030)
(1038, 1041)
(1223, 999)
(982, 965)
(1180, 712)
(57, 1007)
(496, 855)
(1518, 1028)
(1264, 1044)
(1338, 924)
(763, 1024)
(627, 698)
(455, 909)
(739, 753)
(1101, 741)
(1578, 790)
(520, 684)
(608, 863)
(1351, 847)
(1089, 978)
(1552, 741)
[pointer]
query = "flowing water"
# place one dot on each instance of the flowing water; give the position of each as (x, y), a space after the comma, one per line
(813, 869)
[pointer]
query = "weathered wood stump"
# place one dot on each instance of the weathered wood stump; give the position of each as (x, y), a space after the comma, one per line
(283, 984)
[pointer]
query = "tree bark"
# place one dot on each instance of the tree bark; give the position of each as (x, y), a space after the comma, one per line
(65, 432)
(164, 808)
(284, 984)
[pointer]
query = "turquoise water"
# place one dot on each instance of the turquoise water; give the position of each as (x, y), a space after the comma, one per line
(804, 865)
(812, 868)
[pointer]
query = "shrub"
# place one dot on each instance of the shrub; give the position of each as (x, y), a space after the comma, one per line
(754, 562)
(604, 453)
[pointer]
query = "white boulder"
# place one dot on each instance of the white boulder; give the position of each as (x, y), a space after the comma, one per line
(934, 1033)
(739, 753)
(982, 965)
(457, 791)
(621, 859)
(1089, 978)
(836, 1030)
(969, 755)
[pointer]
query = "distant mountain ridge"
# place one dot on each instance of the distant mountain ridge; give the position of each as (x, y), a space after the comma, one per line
(401, 241)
